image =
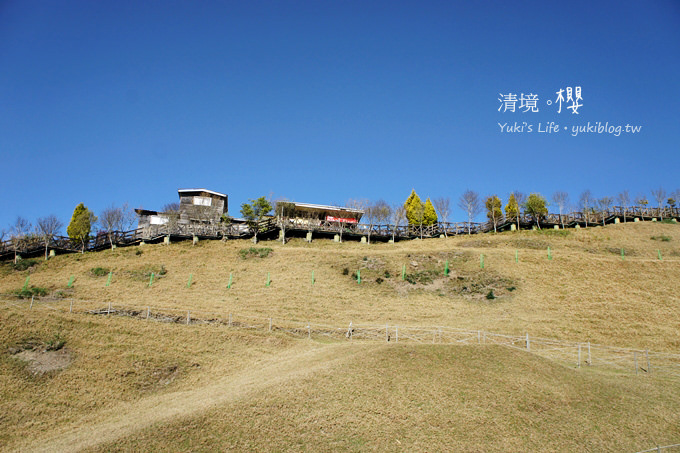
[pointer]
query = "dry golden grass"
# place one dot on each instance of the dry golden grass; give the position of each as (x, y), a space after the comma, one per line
(432, 398)
(585, 293)
(136, 385)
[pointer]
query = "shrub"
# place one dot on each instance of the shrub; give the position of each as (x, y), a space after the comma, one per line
(22, 265)
(387, 274)
(139, 252)
(25, 293)
(99, 271)
(379, 280)
(56, 343)
(662, 238)
(255, 252)
(345, 271)
(490, 295)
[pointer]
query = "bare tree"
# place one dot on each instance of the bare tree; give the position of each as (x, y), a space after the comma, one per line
(284, 210)
(398, 217)
(359, 204)
(586, 203)
(171, 207)
(660, 196)
(624, 201)
(561, 199)
(443, 207)
(111, 220)
(18, 233)
(469, 202)
(377, 213)
(604, 204)
(47, 228)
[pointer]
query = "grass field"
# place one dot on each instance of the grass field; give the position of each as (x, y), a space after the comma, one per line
(123, 384)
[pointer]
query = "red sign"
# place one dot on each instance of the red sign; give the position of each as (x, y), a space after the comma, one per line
(340, 219)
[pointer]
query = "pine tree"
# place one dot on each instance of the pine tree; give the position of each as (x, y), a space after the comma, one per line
(414, 209)
(81, 225)
(429, 213)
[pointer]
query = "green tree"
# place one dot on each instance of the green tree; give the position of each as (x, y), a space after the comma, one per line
(254, 212)
(429, 213)
(493, 210)
(414, 209)
(536, 207)
(81, 224)
(512, 209)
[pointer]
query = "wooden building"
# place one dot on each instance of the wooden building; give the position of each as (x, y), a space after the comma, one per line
(196, 207)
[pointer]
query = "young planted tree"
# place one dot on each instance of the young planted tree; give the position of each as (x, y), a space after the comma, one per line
(536, 207)
(493, 210)
(469, 202)
(47, 228)
(561, 199)
(18, 234)
(512, 209)
(111, 220)
(586, 202)
(659, 195)
(624, 201)
(443, 207)
(81, 224)
(254, 212)
(604, 204)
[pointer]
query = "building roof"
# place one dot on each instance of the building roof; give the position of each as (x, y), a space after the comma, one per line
(202, 190)
(326, 208)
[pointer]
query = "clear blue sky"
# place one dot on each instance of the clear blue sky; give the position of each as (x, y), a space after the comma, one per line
(317, 101)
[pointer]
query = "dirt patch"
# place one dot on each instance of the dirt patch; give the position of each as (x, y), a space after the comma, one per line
(41, 362)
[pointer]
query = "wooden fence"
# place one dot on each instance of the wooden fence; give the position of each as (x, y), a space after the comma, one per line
(32, 245)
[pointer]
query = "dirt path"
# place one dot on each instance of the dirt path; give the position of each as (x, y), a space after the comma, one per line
(128, 418)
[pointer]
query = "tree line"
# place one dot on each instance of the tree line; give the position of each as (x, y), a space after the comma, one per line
(413, 211)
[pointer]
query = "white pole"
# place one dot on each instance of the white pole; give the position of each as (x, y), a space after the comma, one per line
(108, 312)
(397, 333)
(270, 324)
(148, 312)
(579, 356)
(70, 308)
(31, 303)
(188, 317)
(590, 359)
(528, 344)
(229, 319)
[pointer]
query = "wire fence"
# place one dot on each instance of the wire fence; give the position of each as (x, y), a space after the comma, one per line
(575, 354)
(660, 448)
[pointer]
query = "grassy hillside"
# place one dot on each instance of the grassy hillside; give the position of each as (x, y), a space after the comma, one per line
(585, 293)
(78, 381)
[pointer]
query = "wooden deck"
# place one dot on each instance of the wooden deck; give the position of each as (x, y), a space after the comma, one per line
(34, 246)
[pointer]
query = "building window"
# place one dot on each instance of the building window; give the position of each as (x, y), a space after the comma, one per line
(202, 201)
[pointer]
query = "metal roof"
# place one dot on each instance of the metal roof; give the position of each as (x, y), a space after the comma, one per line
(202, 190)
(327, 208)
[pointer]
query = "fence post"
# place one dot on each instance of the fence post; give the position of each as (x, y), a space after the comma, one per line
(148, 312)
(387, 333)
(649, 364)
(479, 337)
(309, 331)
(70, 308)
(635, 360)
(528, 344)
(188, 317)
(590, 359)
(270, 324)
(31, 303)
(396, 335)
(350, 331)
(578, 365)
(108, 311)
(229, 319)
